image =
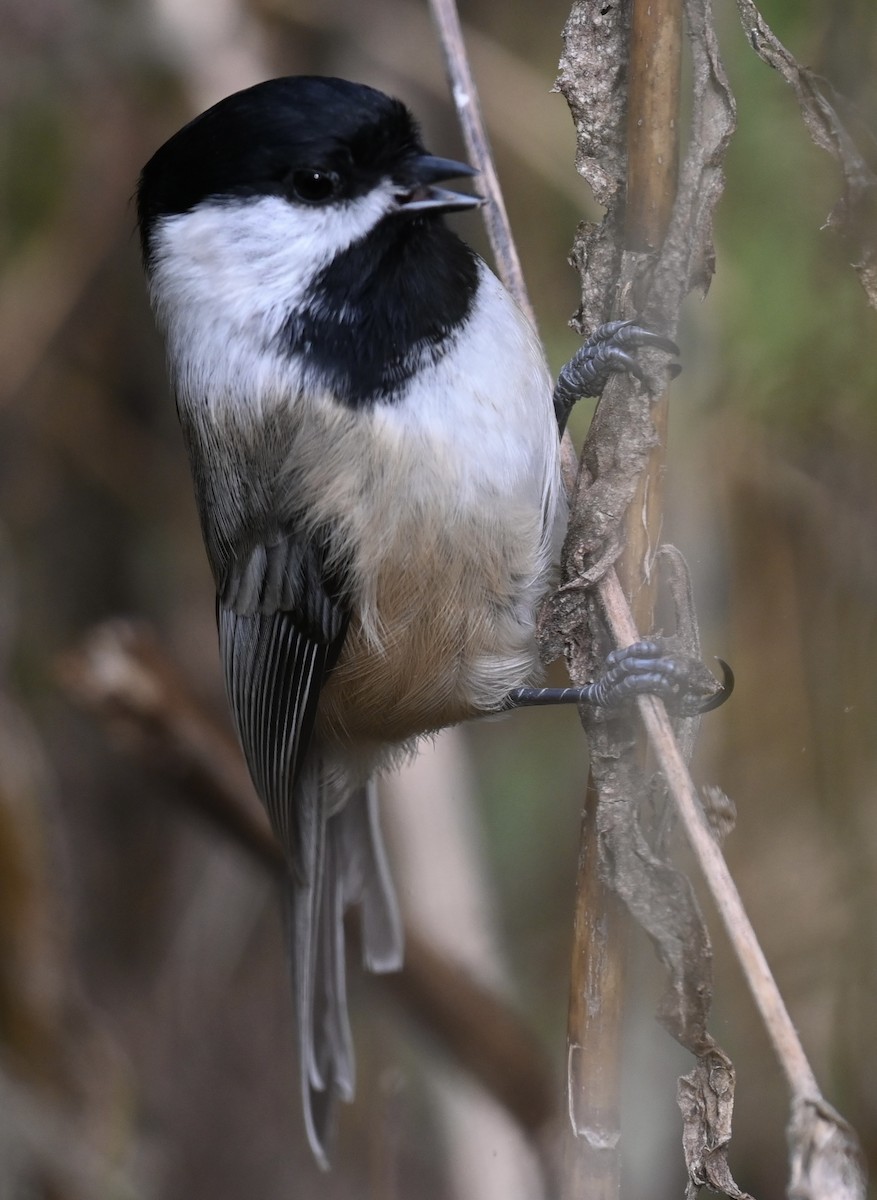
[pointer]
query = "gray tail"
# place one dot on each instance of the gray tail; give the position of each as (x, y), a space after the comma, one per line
(341, 862)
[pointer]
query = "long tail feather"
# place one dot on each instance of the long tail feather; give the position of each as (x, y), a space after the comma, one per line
(368, 882)
(341, 862)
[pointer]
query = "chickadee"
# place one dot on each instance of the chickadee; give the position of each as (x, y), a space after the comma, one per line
(374, 446)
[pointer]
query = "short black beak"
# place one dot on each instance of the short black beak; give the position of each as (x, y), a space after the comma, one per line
(416, 193)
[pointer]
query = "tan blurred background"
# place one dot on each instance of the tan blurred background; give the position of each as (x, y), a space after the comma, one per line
(146, 1048)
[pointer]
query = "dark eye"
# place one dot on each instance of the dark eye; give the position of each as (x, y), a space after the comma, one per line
(313, 186)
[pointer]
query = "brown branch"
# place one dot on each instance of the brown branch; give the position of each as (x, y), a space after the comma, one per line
(592, 1146)
(123, 677)
(652, 121)
(600, 940)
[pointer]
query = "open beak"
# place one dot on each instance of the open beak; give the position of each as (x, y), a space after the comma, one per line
(415, 188)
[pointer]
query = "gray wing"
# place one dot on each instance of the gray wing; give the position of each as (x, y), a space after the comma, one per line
(281, 625)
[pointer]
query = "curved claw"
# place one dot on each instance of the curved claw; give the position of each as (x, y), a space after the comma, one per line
(613, 358)
(646, 667)
(724, 693)
(610, 348)
(632, 334)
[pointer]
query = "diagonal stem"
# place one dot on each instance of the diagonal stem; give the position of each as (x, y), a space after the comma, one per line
(469, 114)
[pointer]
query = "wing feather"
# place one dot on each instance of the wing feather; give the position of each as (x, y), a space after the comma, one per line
(276, 660)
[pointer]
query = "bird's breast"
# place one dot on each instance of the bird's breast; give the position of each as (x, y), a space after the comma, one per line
(451, 506)
(443, 628)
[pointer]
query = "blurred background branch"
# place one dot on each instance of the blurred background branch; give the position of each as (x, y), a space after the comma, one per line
(122, 675)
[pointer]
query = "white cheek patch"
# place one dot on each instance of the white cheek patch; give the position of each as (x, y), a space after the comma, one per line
(225, 276)
(247, 261)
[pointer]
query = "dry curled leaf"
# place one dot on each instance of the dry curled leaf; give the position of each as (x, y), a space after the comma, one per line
(855, 214)
(827, 1162)
(706, 1100)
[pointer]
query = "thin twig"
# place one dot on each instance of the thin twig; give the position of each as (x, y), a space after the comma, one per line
(782, 1032)
(478, 146)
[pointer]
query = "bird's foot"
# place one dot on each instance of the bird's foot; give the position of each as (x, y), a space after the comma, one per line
(611, 348)
(645, 668)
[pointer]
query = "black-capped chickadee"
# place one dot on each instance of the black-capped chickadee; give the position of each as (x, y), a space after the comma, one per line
(374, 447)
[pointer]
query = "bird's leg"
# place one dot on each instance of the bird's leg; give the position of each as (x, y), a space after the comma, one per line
(643, 668)
(683, 683)
(610, 348)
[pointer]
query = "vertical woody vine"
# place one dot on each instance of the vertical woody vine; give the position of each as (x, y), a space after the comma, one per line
(620, 75)
(626, 118)
(620, 475)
